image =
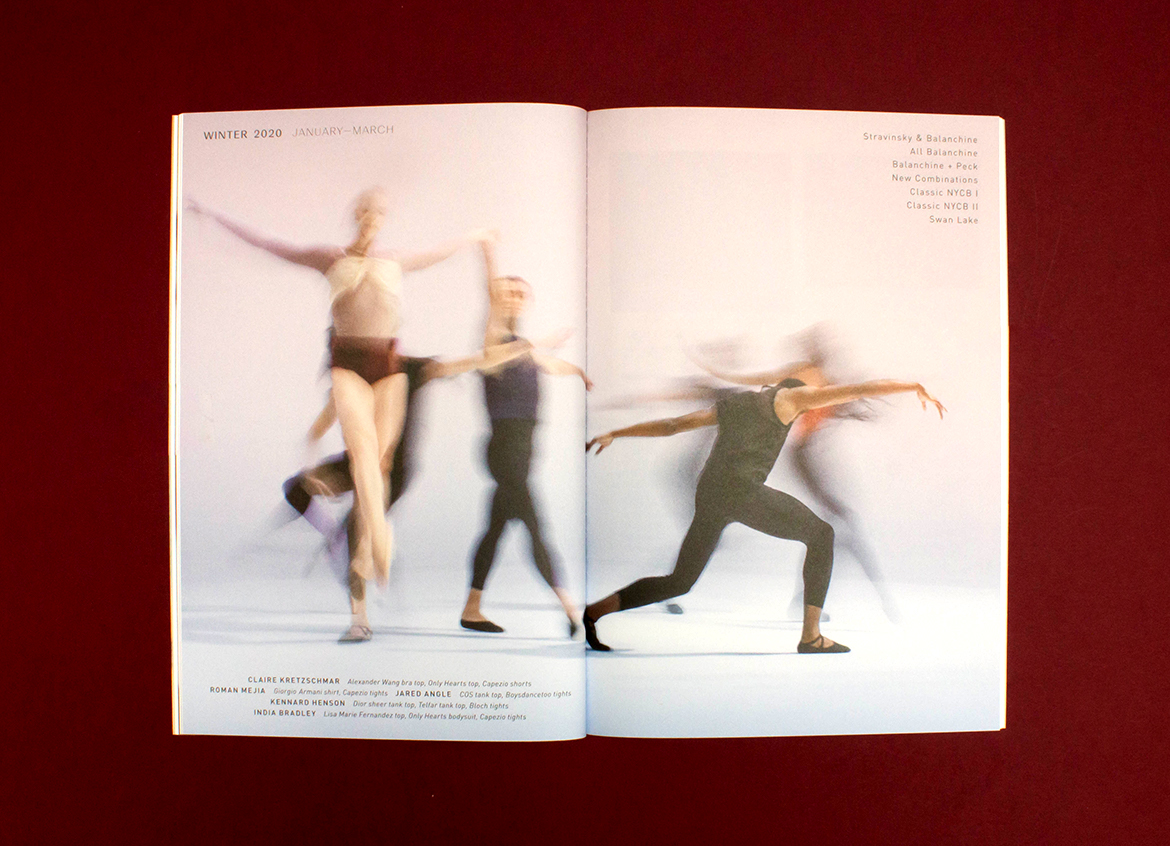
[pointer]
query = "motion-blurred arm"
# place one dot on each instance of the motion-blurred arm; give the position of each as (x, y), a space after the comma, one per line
(658, 428)
(791, 402)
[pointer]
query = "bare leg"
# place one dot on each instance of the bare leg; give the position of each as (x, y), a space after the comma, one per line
(570, 610)
(389, 414)
(356, 403)
(471, 610)
(359, 626)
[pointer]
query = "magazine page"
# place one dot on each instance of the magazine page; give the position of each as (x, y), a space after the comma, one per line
(332, 265)
(797, 481)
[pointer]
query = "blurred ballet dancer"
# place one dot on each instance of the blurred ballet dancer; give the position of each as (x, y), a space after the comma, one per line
(512, 394)
(752, 428)
(332, 477)
(697, 391)
(368, 385)
(808, 444)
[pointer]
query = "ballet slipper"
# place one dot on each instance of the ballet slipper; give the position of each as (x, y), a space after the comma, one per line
(481, 626)
(591, 634)
(356, 634)
(817, 646)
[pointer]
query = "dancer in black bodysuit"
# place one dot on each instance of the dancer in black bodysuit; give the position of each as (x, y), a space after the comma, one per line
(752, 428)
(806, 447)
(512, 394)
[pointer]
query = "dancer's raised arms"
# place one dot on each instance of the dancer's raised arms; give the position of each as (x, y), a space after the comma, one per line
(425, 258)
(318, 257)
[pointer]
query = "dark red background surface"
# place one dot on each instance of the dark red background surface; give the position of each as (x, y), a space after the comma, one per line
(87, 748)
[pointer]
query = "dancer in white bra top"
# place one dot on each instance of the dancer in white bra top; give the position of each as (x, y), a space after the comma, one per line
(369, 387)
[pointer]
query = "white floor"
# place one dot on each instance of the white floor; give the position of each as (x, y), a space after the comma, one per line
(530, 678)
(726, 666)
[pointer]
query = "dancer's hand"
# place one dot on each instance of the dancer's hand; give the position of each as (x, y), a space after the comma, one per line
(601, 441)
(924, 397)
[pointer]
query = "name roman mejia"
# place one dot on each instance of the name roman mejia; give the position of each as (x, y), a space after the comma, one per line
(219, 689)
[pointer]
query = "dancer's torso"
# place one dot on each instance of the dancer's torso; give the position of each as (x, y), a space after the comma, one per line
(749, 441)
(513, 391)
(364, 294)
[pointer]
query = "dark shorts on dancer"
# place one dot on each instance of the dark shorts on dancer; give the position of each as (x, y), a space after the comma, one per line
(371, 358)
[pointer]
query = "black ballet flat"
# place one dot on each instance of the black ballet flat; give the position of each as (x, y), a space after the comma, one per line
(481, 626)
(817, 647)
(591, 634)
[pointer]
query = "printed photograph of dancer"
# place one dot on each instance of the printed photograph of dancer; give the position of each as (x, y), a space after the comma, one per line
(512, 396)
(369, 387)
(333, 477)
(284, 257)
(752, 429)
(809, 443)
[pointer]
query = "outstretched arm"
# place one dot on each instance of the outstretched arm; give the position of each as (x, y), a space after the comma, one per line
(793, 401)
(488, 358)
(557, 367)
(491, 267)
(657, 428)
(318, 258)
(425, 258)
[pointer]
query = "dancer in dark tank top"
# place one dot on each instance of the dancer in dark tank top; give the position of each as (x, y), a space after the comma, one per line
(512, 396)
(752, 428)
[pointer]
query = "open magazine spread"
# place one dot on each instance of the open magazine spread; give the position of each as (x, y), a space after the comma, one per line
(518, 422)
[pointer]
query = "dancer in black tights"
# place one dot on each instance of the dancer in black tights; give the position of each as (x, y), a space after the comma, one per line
(806, 447)
(752, 427)
(333, 477)
(512, 394)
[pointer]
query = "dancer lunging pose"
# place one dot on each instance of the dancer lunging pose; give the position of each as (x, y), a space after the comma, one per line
(752, 427)
(512, 395)
(807, 447)
(369, 389)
